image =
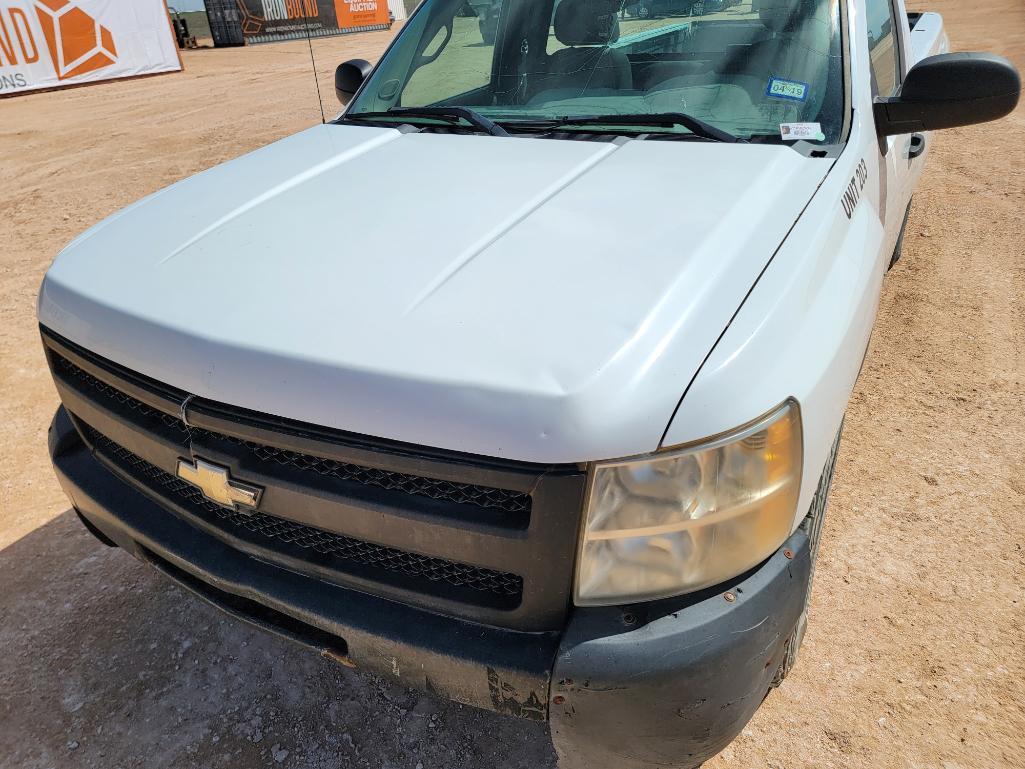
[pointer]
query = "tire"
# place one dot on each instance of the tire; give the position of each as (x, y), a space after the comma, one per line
(900, 240)
(812, 526)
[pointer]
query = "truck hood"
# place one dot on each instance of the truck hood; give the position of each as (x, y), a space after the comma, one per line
(531, 299)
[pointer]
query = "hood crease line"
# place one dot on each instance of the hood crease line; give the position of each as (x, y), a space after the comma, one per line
(476, 249)
(285, 186)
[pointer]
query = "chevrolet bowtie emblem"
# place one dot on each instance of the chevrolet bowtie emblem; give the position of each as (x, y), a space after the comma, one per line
(217, 485)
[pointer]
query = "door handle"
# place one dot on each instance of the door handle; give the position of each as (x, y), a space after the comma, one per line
(916, 146)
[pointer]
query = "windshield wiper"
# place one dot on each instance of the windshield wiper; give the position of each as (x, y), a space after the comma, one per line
(447, 114)
(696, 126)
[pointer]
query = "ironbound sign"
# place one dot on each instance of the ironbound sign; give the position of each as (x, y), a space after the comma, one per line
(267, 20)
(55, 43)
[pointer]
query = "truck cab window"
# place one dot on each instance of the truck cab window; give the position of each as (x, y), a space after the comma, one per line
(882, 47)
(456, 59)
(745, 68)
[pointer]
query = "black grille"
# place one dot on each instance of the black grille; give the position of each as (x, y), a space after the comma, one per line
(484, 539)
(448, 491)
(506, 587)
(462, 493)
(102, 391)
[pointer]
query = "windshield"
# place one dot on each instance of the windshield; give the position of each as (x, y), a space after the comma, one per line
(758, 69)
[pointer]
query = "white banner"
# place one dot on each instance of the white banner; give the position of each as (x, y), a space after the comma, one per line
(52, 43)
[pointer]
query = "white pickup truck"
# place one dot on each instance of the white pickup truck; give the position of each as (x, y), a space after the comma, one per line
(522, 380)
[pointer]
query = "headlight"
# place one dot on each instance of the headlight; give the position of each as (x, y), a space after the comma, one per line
(685, 519)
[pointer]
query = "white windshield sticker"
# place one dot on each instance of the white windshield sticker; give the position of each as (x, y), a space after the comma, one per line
(796, 131)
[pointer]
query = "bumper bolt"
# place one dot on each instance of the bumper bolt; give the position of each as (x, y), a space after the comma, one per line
(788, 554)
(730, 597)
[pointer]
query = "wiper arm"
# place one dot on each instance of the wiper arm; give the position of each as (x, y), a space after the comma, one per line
(447, 114)
(695, 125)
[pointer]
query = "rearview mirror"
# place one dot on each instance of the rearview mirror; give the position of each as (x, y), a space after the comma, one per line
(952, 89)
(349, 77)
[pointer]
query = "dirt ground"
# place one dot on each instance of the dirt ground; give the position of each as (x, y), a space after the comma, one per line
(915, 656)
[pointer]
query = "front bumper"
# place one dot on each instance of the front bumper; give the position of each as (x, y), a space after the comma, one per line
(668, 683)
(679, 683)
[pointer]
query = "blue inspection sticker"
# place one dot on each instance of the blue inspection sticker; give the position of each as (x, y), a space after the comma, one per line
(791, 90)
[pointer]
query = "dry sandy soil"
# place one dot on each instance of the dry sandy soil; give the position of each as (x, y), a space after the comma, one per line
(915, 656)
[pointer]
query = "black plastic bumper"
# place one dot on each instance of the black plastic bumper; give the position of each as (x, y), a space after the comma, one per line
(482, 666)
(675, 690)
(666, 684)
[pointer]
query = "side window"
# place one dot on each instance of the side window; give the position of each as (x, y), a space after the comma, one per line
(882, 47)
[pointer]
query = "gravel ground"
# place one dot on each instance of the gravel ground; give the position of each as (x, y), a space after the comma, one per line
(914, 657)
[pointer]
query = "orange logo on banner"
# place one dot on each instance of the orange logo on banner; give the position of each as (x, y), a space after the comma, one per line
(78, 43)
(361, 13)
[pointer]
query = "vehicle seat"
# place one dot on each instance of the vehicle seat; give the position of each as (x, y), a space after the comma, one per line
(587, 28)
(801, 33)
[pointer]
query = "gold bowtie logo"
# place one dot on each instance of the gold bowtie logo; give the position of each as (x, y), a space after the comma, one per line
(217, 484)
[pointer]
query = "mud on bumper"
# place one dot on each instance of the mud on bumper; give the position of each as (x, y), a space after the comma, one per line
(667, 684)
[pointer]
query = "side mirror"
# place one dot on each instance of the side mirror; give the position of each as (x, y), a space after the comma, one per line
(349, 77)
(949, 90)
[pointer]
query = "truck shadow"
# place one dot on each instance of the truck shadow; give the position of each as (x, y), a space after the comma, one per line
(107, 663)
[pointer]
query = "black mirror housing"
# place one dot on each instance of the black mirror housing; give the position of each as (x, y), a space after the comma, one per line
(349, 76)
(952, 89)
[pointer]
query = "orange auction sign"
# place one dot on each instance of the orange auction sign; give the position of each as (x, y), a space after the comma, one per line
(361, 13)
